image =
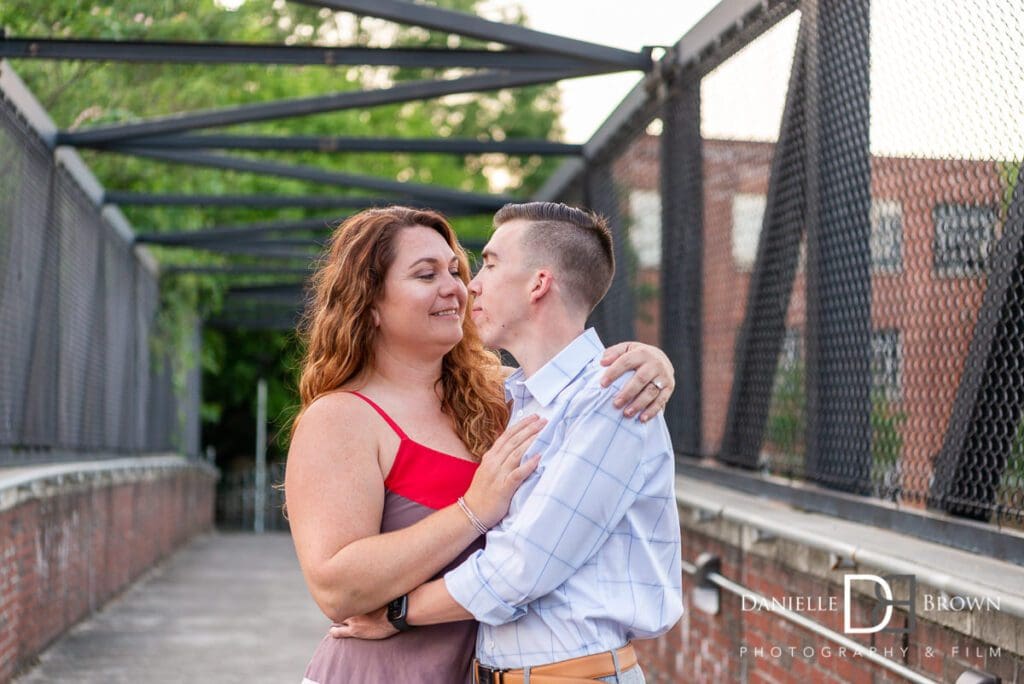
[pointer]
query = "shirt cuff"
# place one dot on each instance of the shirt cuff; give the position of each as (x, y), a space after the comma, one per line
(471, 591)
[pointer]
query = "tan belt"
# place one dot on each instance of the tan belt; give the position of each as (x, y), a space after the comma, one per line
(582, 670)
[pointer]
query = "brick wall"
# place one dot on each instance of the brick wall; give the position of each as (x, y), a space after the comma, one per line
(69, 544)
(737, 645)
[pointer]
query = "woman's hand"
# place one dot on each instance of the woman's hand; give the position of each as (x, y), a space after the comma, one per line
(373, 625)
(501, 471)
(649, 389)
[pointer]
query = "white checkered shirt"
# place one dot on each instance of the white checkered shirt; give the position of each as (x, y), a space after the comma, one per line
(588, 556)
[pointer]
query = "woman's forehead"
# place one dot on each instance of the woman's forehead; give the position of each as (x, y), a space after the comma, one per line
(418, 242)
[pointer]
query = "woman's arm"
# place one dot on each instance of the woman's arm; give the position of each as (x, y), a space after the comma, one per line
(335, 495)
(642, 393)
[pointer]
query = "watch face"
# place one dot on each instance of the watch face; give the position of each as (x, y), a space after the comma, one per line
(397, 610)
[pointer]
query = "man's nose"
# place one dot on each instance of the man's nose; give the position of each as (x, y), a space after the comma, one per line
(474, 286)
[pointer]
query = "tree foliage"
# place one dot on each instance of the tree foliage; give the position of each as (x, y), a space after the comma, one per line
(82, 94)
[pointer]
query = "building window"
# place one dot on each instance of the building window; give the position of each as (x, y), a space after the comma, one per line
(963, 237)
(747, 217)
(887, 363)
(886, 235)
(792, 349)
(645, 227)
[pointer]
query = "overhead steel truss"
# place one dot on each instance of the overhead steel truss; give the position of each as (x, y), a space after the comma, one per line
(528, 57)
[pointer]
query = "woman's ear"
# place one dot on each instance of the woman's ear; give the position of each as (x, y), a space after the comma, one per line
(375, 316)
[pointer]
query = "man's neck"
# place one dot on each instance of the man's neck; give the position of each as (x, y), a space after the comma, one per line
(542, 340)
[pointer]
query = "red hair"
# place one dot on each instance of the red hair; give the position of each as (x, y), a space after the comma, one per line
(339, 334)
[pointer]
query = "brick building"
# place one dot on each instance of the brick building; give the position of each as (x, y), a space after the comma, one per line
(932, 222)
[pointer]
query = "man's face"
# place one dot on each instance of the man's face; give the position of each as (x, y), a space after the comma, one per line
(501, 289)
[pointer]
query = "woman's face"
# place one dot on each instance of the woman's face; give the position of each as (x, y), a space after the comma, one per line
(424, 299)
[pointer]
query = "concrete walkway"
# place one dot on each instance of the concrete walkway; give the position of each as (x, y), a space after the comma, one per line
(225, 608)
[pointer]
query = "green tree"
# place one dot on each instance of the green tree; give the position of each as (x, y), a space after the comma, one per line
(82, 94)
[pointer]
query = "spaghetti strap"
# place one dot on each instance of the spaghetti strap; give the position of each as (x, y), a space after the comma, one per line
(386, 417)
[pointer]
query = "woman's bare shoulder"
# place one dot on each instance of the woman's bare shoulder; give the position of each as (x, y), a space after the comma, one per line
(336, 416)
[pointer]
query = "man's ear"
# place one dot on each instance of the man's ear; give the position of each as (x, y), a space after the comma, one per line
(540, 285)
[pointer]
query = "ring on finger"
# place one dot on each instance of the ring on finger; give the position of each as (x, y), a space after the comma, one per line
(658, 383)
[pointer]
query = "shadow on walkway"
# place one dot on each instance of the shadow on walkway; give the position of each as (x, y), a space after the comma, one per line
(226, 608)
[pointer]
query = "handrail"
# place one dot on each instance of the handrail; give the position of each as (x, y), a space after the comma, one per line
(734, 588)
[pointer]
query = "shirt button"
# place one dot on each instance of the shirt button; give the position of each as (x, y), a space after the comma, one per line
(519, 412)
(490, 644)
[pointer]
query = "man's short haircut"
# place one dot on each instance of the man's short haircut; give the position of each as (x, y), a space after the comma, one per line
(576, 242)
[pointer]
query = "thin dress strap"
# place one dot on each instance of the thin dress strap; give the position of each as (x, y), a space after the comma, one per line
(386, 417)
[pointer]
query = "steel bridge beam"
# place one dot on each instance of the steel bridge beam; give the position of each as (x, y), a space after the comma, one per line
(403, 92)
(318, 175)
(183, 52)
(349, 144)
(472, 26)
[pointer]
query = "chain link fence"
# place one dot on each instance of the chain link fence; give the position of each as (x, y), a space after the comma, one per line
(821, 222)
(79, 375)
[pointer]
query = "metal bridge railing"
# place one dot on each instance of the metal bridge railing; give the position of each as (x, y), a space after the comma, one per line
(825, 230)
(78, 372)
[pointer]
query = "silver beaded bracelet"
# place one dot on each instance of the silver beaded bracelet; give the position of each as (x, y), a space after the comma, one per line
(477, 523)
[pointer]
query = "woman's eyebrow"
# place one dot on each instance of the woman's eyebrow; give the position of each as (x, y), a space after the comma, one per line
(432, 261)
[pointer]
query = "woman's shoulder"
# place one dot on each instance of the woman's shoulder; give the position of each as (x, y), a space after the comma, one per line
(339, 410)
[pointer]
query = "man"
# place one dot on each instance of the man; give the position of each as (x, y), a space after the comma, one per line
(588, 556)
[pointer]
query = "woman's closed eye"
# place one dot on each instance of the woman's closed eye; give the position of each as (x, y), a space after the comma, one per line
(431, 275)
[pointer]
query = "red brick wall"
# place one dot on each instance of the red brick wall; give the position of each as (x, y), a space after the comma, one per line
(934, 313)
(708, 648)
(68, 549)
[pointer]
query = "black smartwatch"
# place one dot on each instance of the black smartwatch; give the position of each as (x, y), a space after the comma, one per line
(397, 612)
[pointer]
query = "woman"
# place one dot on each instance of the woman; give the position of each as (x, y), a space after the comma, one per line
(400, 442)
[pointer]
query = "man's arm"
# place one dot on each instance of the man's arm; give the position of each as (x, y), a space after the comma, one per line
(586, 486)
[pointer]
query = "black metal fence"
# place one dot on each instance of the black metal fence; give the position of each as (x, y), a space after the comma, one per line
(237, 501)
(820, 220)
(79, 371)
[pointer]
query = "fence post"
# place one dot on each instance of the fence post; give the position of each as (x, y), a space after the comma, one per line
(682, 253)
(613, 317)
(838, 244)
(260, 480)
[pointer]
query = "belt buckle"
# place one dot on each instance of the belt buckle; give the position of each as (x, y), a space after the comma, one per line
(485, 675)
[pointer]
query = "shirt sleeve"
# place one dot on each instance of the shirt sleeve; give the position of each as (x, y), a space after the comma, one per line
(586, 484)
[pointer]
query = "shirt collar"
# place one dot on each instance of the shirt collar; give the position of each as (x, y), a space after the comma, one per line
(556, 374)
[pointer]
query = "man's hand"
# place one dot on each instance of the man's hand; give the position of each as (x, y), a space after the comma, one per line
(373, 625)
(650, 388)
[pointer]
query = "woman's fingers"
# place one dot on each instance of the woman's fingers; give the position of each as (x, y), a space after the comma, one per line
(516, 445)
(645, 401)
(655, 408)
(511, 433)
(523, 471)
(634, 387)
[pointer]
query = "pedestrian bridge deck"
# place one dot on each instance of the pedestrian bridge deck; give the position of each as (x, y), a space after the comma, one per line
(225, 608)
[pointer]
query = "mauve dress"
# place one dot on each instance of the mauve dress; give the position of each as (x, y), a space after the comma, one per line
(421, 481)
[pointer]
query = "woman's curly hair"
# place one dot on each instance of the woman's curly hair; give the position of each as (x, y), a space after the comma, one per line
(339, 334)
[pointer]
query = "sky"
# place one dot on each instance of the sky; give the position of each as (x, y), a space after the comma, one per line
(629, 25)
(946, 76)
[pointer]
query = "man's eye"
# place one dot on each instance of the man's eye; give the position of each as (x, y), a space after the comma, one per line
(488, 265)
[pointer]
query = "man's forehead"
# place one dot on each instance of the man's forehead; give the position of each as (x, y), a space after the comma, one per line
(505, 235)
